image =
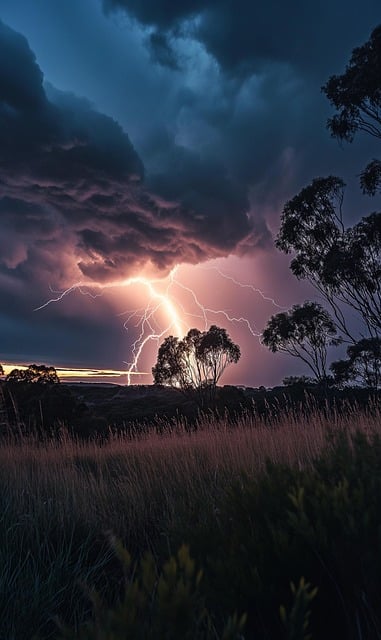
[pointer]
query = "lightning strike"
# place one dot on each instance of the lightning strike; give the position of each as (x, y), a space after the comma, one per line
(243, 285)
(163, 302)
(206, 310)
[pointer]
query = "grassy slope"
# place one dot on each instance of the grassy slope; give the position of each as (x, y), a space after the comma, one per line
(60, 500)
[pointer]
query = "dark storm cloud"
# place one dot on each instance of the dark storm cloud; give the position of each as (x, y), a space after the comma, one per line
(162, 51)
(163, 13)
(243, 35)
(260, 105)
(72, 189)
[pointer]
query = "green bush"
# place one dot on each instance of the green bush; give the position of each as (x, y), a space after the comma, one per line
(323, 523)
(168, 604)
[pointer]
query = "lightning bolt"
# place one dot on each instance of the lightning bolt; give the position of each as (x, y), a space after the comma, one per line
(243, 285)
(204, 311)
(163, 302)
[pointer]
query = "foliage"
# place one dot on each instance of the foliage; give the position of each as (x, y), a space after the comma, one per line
(252, 527)
(362, 365)
(356, 94)
(302, 381)
(197, 362)
(344, 265)
(297, 621)
(166, 604)
(305, 331)
(1, 370)
(370, 178)
(34, 373)
(322, 523)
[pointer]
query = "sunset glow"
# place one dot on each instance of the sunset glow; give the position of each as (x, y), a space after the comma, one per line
(79, 375)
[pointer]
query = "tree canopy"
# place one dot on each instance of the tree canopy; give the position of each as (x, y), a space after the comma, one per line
(356, 94)
(305, 332)
(197, 362)
(363, 364)
(34, 373)
(344, 265)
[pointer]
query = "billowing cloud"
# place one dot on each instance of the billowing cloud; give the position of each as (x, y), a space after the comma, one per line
(73, 198)
(248, 95)
(244, 35)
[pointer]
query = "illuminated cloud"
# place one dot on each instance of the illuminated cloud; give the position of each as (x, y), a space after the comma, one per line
(73, 186)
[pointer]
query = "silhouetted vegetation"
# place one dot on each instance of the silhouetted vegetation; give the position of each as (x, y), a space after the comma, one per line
(34, 374)
(196, 363)
(356, 93)
(363, 364)
(95, 411)
(305, 332)
(344, 263)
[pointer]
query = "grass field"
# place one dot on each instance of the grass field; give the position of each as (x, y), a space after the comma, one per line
(61, 500)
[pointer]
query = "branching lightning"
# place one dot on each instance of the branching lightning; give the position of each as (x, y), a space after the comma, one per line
(243, 285)
(164, 313)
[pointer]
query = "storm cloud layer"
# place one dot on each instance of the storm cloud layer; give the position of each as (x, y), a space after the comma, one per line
(243, 35)
(73, 193)
(245, 82)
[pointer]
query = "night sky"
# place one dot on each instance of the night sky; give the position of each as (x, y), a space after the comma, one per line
(137, 136)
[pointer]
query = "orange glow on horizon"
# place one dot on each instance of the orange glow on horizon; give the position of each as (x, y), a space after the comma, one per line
(72, 373)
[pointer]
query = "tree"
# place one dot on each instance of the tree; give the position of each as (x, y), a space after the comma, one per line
(344, 265)
(363, 364)
(356, 94)
(1, 370)
(34, 374)
(305, 332)
(370, 178)
(298, 381)
(196, 363)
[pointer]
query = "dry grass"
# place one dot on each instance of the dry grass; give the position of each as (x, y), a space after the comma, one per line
(58, 498)
(130, 479)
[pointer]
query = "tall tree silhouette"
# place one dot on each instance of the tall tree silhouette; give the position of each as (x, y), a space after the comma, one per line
(344, 265)
(356, 95)
(305, 332)
(196, 363)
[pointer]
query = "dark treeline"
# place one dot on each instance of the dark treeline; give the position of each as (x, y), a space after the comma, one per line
(88, 411)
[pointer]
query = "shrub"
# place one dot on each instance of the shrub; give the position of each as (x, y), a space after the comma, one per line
(167, 604)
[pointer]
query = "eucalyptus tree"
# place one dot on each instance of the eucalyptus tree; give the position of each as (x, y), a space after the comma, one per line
(343, 264)
(196, 363)
(356, 93)
(304, 332)
(362, 365)
(356, 96)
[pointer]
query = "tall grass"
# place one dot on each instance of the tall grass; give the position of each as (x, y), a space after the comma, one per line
(60, 498)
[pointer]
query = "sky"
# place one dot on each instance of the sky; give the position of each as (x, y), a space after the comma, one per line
(147, 148)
